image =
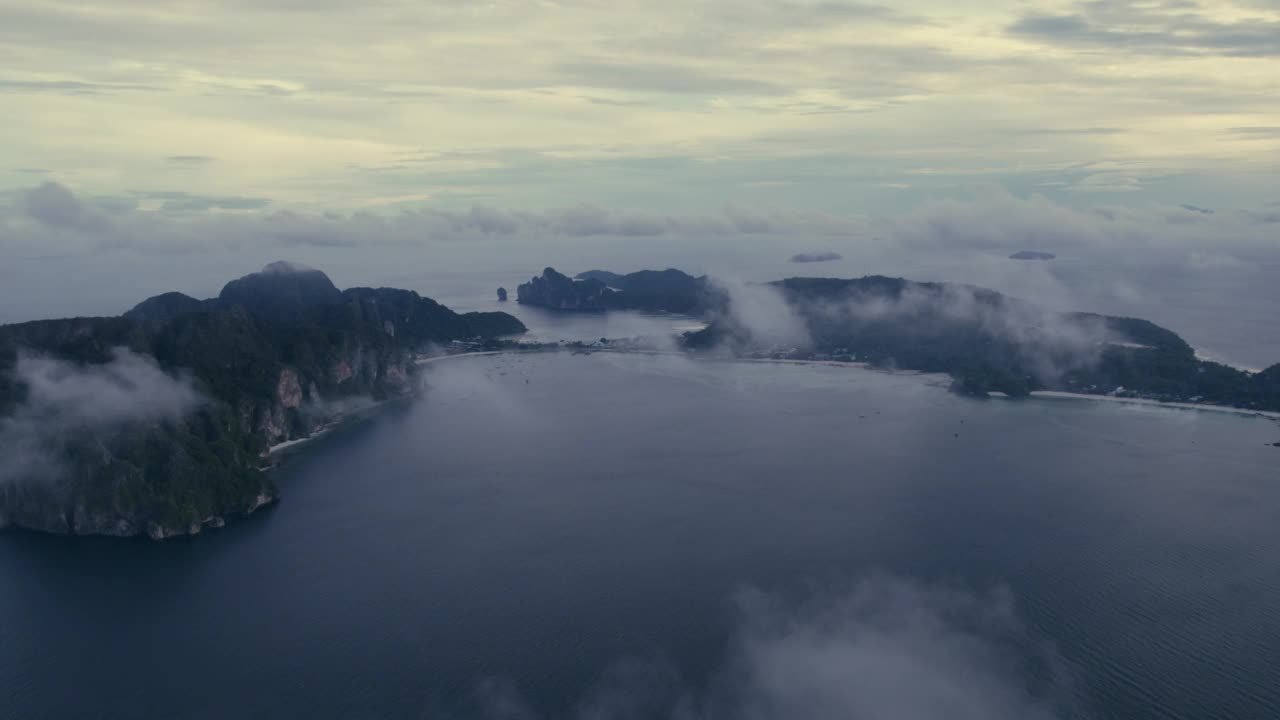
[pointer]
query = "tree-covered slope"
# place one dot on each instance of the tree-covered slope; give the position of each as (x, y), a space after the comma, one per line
(991, 342)
(157, 421)
(985, 340)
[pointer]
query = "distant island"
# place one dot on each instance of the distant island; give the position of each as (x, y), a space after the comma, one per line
(597, 291)
(815, 257)
(1032, 255)
(158, 422)
(987, 342)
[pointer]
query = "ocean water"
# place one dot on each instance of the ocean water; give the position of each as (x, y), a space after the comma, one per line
(618, 536)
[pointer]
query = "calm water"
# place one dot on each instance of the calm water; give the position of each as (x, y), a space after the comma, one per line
(565, 536)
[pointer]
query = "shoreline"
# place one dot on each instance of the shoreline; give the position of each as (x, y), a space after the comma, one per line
(336, 423)
(481, 353)
(1041, 394)
(277, 449)
(1061, 395)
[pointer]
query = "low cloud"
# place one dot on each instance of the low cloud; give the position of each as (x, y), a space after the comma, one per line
(592, 220)
(1001, 221)
(1049, 342)
(761, 316)
(55, 206)
(882, 648)
(53, 218)
(63, 400)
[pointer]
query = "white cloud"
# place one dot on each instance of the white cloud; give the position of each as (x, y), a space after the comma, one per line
(52, 219)
(63, 400)
(122, 94)
(884, 648)
(998, 220)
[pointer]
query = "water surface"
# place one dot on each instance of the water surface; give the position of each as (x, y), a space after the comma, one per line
(536, 520)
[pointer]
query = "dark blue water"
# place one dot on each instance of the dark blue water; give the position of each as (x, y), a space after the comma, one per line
(618, 536)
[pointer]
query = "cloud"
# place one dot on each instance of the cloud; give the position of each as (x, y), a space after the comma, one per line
(1155, 28)
(887, 648)
(190, 159)
(661, 77)
(196, 203)
(63, 400)
(1049, 342)
(1071, 131)
(881, 648)
(815, 257)
(1000, 221)
(54, 205)
(761, 316)
(177, 201)
(184, 223)
(1259, 132)
(73, 87)
(871, 88)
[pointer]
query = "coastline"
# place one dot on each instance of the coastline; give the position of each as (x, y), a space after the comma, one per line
(278, 448)
(1059, 395)
(438, 358)
(1042, 394)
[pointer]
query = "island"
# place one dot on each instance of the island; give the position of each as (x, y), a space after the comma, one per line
(159, 422)
(667, 290)
(987, 342)
(1032, 255)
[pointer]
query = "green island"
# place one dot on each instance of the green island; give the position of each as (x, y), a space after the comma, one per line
(987, 342)
(159, 422)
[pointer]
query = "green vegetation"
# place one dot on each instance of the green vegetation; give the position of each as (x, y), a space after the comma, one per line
(991, 343)
(270, 359)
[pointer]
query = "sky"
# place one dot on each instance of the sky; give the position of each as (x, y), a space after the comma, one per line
(244, 105)
(158, 146)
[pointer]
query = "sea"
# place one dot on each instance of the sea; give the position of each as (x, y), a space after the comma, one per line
(616, 536)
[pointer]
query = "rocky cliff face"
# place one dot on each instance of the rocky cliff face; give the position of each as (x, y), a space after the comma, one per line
(294, 412)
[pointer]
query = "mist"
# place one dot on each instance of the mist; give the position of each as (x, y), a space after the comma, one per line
(879, 648)
(1205, 275)
(1052, 341)
(762, 313)
(64, 399)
